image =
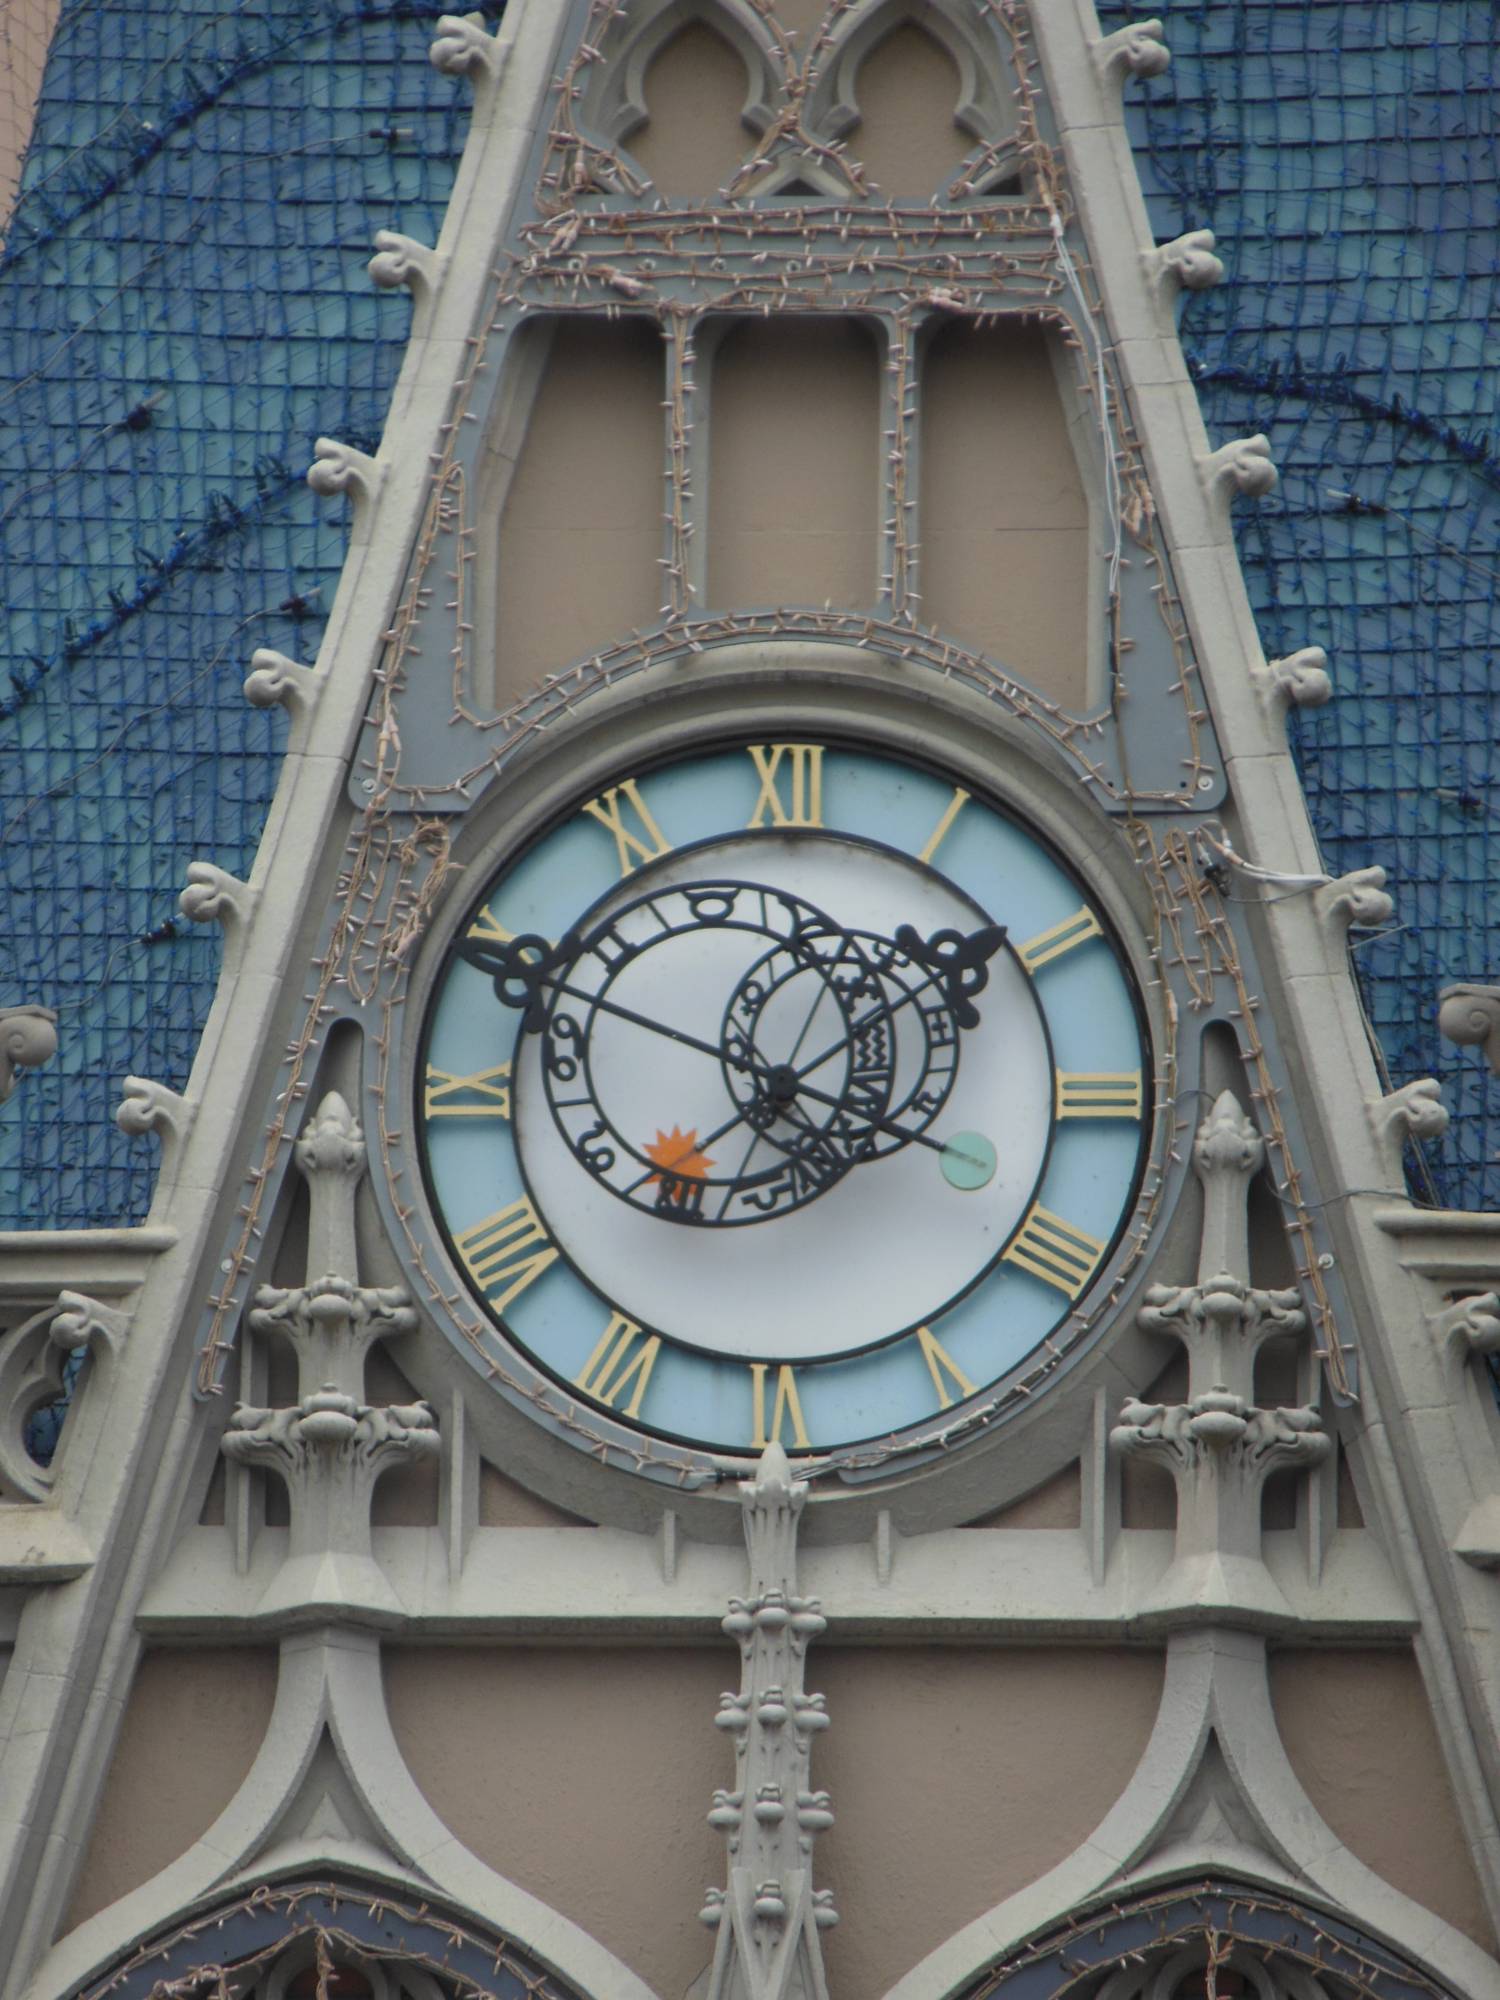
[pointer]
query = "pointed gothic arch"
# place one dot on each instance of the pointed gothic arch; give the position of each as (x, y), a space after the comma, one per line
(1218, 1935)
(616, 106)
(983, 109)
(360, 1938)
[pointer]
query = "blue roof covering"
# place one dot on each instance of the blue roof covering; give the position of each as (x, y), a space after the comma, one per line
(183, 309)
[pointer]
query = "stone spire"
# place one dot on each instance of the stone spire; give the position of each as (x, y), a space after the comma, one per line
(769, 1919)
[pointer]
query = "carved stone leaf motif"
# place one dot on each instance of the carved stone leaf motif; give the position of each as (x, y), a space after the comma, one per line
(769, 1917)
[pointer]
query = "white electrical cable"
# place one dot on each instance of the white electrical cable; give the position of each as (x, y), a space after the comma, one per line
(1276, 876)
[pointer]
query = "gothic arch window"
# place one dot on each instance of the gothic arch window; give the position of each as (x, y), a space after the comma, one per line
(913, 90)
(687, 86)
(327, 1940)
(1204, 1939)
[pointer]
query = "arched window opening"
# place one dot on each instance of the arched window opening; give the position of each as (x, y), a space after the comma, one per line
(908, 140)
(694, 135)
(327, 1940)
(1206, 1939)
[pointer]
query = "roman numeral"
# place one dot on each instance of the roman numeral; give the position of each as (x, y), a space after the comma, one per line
(489, 927)
(1109, 1094)
(634, 843)
(940, 1364)
(617, 1363)
(485, 1094)
(955, 806)
(791, 784)
(787, 1404)
(1074, 930)
(1054, 1251)
(506, 1252)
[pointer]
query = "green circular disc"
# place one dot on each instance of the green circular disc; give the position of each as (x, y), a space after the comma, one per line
(968, 1161)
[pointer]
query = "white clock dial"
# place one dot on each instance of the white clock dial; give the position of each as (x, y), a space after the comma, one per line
(783, 1090)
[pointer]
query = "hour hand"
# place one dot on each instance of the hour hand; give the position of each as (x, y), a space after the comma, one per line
(520, 969)
(959, 961)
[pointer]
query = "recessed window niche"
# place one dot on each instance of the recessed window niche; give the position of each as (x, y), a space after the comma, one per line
(793, 449)
(571, 499)
(1004, 522)
(906, 139)
(694, 136)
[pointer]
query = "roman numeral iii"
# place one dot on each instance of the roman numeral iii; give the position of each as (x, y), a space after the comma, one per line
(1107, 1094)
(791, 784)
(506, 1252)
(1054, 1251)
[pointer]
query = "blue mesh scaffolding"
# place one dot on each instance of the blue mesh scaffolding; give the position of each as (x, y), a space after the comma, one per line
(183, 310)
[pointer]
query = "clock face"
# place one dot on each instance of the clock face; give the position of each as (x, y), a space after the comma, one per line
(786, 1090)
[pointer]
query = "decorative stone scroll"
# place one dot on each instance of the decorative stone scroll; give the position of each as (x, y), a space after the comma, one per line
(1470, 1015)
(769, 1919)
(28, 1038)
(1218, 1445)
(330, 1447)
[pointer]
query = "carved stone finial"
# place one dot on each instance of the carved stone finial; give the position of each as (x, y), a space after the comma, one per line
(213, 896)
(402, 260)
(1218, 1445)
(28, 1038)
(1242, 468)
(149, 1106)
(331, 1155)
(275, 681)
(1415, 1111)
(1185, 264)
(340, 471)
(1137, 51)
(1226, 1154)
(769, 1918)
(330, 1447)
(463, 46)
(1470, 1016)
(1357, 898)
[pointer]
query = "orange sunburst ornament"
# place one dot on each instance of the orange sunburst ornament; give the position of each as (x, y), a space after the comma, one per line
(677, 1154)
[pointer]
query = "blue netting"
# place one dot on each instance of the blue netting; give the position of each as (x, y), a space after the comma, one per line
(182, 311)
(1344, 151)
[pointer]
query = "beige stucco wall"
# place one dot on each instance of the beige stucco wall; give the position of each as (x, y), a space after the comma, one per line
(1360, 1736)
(26, 28)
(192, 1726)
(958, 1774)
(694, 138)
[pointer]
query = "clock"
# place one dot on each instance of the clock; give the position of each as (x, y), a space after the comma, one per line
(782, 1090)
